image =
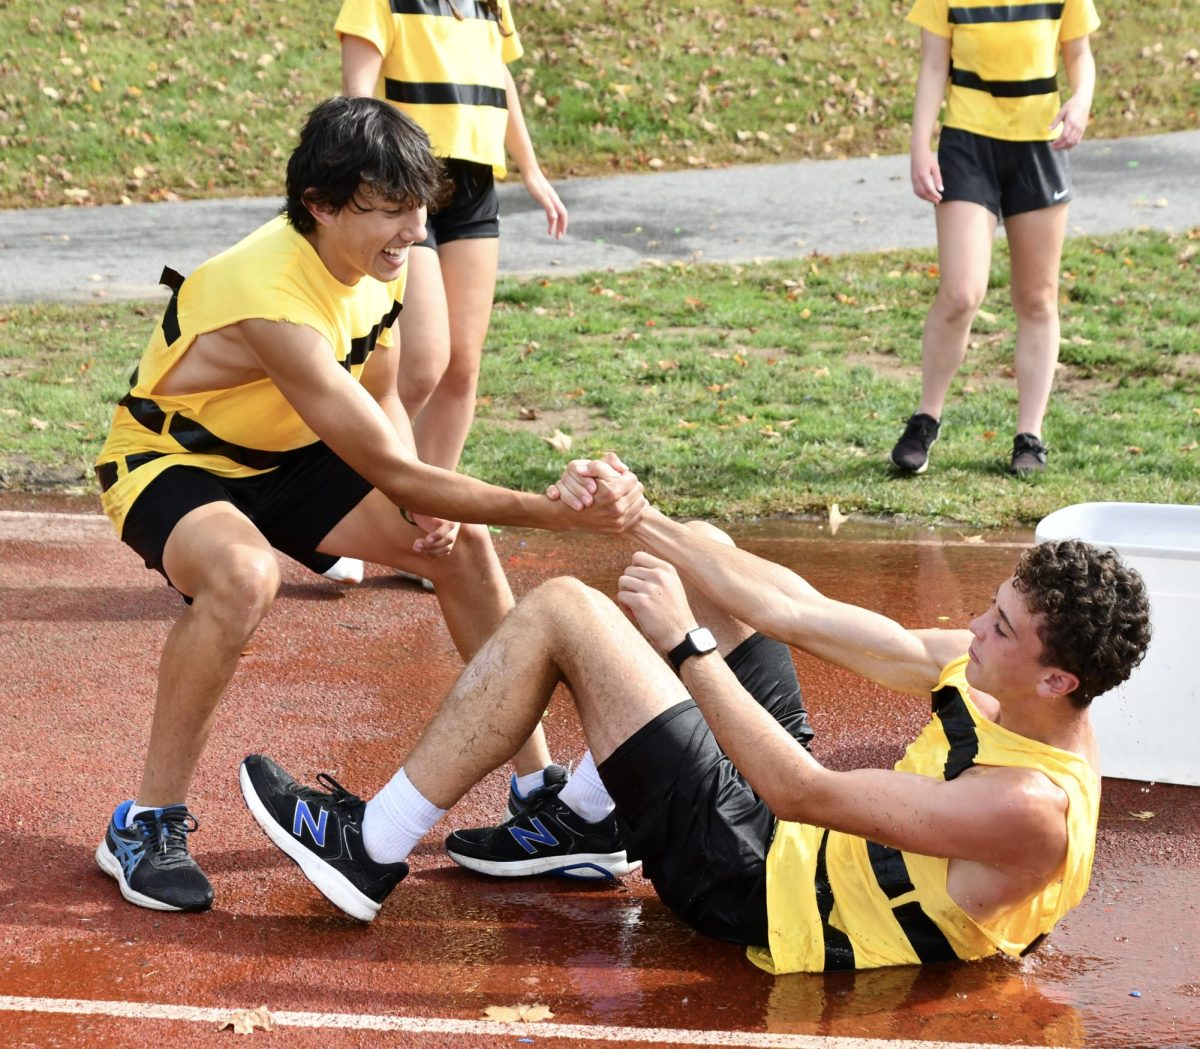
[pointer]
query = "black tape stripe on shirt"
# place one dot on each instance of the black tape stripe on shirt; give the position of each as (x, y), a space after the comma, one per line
(956, 722)
(839, 951)
(1005, 13)
(441, 9)
(928, 942)
(1004, 88)
(432, 94)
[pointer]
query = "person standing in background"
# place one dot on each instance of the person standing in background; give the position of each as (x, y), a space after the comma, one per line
(1002, 154)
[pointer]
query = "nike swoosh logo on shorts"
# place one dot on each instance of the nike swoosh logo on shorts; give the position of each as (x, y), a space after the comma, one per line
(1061, 193)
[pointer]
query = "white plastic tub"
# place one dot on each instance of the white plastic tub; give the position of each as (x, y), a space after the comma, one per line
(1149, 727)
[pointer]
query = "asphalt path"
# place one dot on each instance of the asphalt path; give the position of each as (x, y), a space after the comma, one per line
(739, 214)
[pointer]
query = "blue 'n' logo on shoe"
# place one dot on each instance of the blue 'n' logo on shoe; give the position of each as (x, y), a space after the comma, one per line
(530, 839)
(316, 827)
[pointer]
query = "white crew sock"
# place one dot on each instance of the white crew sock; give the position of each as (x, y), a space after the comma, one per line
(585, 793)
(530, 782)
(396, 819)
(134, 809)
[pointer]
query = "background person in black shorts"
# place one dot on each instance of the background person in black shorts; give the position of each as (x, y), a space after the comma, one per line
(977, 842)
(1002, 154)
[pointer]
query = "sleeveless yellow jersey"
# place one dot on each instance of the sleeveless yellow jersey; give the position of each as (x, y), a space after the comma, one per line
(1004, 62)
(275, 275)
(836, 901)
(445, 73)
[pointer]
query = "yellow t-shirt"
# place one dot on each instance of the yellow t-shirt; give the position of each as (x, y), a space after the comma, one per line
(274, 274)
(1004, 62)
(837, 901)
(446, 74)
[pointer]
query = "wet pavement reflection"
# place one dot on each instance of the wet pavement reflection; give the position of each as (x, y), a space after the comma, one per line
(343, 680)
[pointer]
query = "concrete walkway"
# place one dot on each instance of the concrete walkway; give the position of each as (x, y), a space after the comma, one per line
(726, 215)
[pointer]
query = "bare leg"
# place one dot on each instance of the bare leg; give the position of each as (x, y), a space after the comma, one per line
(424, 331)
(470, 585)
(217, 557)
(964, 234)
(1035, 241)
(562, 630)
(469, 278)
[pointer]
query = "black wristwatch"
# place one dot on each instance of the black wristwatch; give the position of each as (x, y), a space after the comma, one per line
(695, 643)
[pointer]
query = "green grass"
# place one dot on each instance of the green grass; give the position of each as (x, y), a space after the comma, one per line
(739, 391)
(143, 101)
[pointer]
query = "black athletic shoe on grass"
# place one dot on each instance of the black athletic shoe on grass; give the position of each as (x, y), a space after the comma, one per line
(911, 453)
(151, 862)
(1028, 455)
(547, 838)
(322, 832)
(554, 778)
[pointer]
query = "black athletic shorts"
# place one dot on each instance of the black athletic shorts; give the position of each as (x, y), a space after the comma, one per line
(1007, 178)
(474, 210)
(294, 505)
(700, 831)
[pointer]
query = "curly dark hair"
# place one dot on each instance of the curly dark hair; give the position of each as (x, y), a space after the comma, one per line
(348, 143)
(1095, 615)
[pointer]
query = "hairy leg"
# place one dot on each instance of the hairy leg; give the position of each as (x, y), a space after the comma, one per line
(218, 558)
(1035, 241)
(563, 630)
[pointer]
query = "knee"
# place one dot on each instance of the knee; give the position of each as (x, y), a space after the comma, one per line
(462, 371)
(1036, 304)
(239, 592)
(960, 302)
(565, 599)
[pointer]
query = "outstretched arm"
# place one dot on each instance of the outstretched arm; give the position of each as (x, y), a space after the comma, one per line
(1011, 818)
(520, 148)
(344, 415)
(776, 601)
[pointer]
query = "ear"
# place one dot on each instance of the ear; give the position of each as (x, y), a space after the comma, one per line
(1057, 683)
(320, 210)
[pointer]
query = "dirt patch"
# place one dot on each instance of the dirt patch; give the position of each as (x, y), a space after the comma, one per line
(19, 473)
(577, 420)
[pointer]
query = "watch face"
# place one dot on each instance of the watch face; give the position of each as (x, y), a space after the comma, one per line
(702, 640)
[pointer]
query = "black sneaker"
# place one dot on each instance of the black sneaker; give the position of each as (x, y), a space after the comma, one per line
(554, 778)
(1028, 455)
(911, 453)
(150, 859)
(547, 838)
(322, 832)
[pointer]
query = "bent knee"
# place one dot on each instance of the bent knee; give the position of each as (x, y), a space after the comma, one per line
(242, 586)
(960, 302)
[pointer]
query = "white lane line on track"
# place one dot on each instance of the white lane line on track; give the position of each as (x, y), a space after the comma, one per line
(475, 1028)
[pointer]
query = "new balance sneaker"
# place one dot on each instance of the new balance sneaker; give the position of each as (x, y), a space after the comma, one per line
(150, 859)
(911, 453)
(1028, 455)
(547, 838)
(322, 832)
(555, 778)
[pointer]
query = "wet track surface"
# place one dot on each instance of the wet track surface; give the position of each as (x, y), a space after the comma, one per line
(341, 681)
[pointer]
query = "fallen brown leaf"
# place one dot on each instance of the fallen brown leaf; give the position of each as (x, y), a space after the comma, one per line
(244, 1021)
(559, 441)
(518, 1013)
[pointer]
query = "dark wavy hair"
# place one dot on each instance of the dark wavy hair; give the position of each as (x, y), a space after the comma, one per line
(351, 144)
(1095, 615)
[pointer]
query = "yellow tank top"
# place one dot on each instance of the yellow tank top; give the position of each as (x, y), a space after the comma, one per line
(445, 73)
(276, 275)
(837, 901)
(1004, 61)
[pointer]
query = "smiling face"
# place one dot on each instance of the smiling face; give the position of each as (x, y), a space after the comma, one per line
(1006, 653)
(370, 237)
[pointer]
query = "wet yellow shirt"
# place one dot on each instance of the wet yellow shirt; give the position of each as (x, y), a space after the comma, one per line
(1004, 62)
(837, 901)
(445, 73)
(275, 275)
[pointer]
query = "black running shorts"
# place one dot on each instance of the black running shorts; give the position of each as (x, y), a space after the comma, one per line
(1007, 178)
(295, 505)
(701, 833)
(473, 212)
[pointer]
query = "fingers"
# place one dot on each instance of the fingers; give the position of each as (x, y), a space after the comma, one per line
(440, 538)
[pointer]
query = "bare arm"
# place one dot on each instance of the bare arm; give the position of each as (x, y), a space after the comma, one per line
(361, 63)
(784, 606)
(931, 89)
(520, 148)
(1081, 75)
(1011, 818)
(344, 415)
